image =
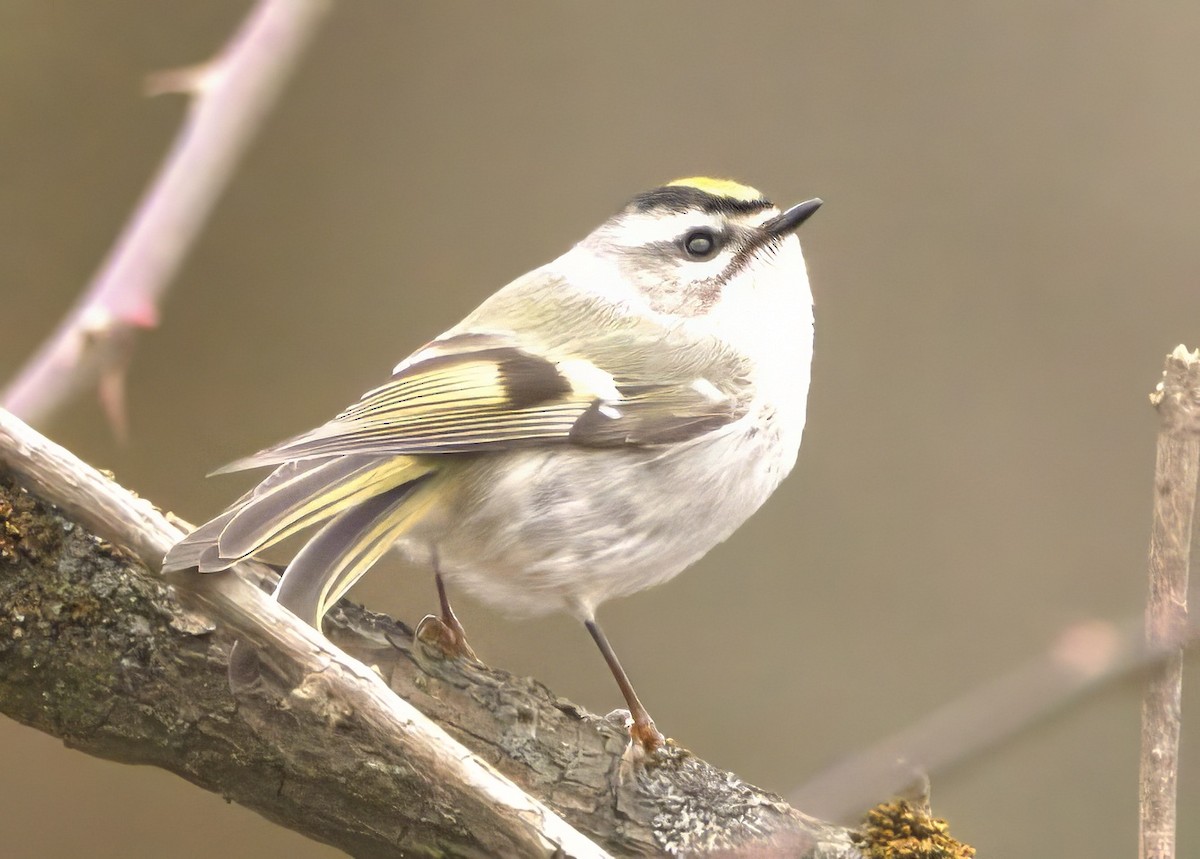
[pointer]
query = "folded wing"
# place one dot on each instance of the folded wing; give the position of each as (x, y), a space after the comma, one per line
(454, 400)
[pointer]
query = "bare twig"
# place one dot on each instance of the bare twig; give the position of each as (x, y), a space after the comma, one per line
(1177, 399)
(1086, 656)
(231, 95)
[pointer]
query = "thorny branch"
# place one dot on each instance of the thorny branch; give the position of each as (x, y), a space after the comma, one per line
(230, 97)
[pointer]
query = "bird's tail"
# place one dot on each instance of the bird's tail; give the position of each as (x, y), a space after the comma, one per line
(366, 501)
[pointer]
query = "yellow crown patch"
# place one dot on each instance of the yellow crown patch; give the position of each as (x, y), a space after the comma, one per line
(720, 188)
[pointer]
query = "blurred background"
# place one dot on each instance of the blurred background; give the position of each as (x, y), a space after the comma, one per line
(1007, 251)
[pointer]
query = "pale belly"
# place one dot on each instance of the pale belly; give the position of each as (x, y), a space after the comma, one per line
(567, 529)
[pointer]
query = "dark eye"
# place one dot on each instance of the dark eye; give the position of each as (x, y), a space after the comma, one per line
(701, 244)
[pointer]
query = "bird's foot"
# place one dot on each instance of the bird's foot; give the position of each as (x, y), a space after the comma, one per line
(646, 735)
(447, 636)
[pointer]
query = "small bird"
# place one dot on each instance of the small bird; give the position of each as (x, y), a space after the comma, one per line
(590, 430)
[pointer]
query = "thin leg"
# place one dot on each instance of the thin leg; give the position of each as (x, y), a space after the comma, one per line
(445, 631)
(643, 730)
(448, 616)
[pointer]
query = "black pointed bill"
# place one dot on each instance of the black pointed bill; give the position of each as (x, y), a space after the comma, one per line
(791, 220)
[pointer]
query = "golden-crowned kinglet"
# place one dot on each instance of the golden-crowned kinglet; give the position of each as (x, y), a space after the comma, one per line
(590, 430)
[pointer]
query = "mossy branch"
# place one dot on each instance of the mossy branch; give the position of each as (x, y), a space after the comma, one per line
(99, 649)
